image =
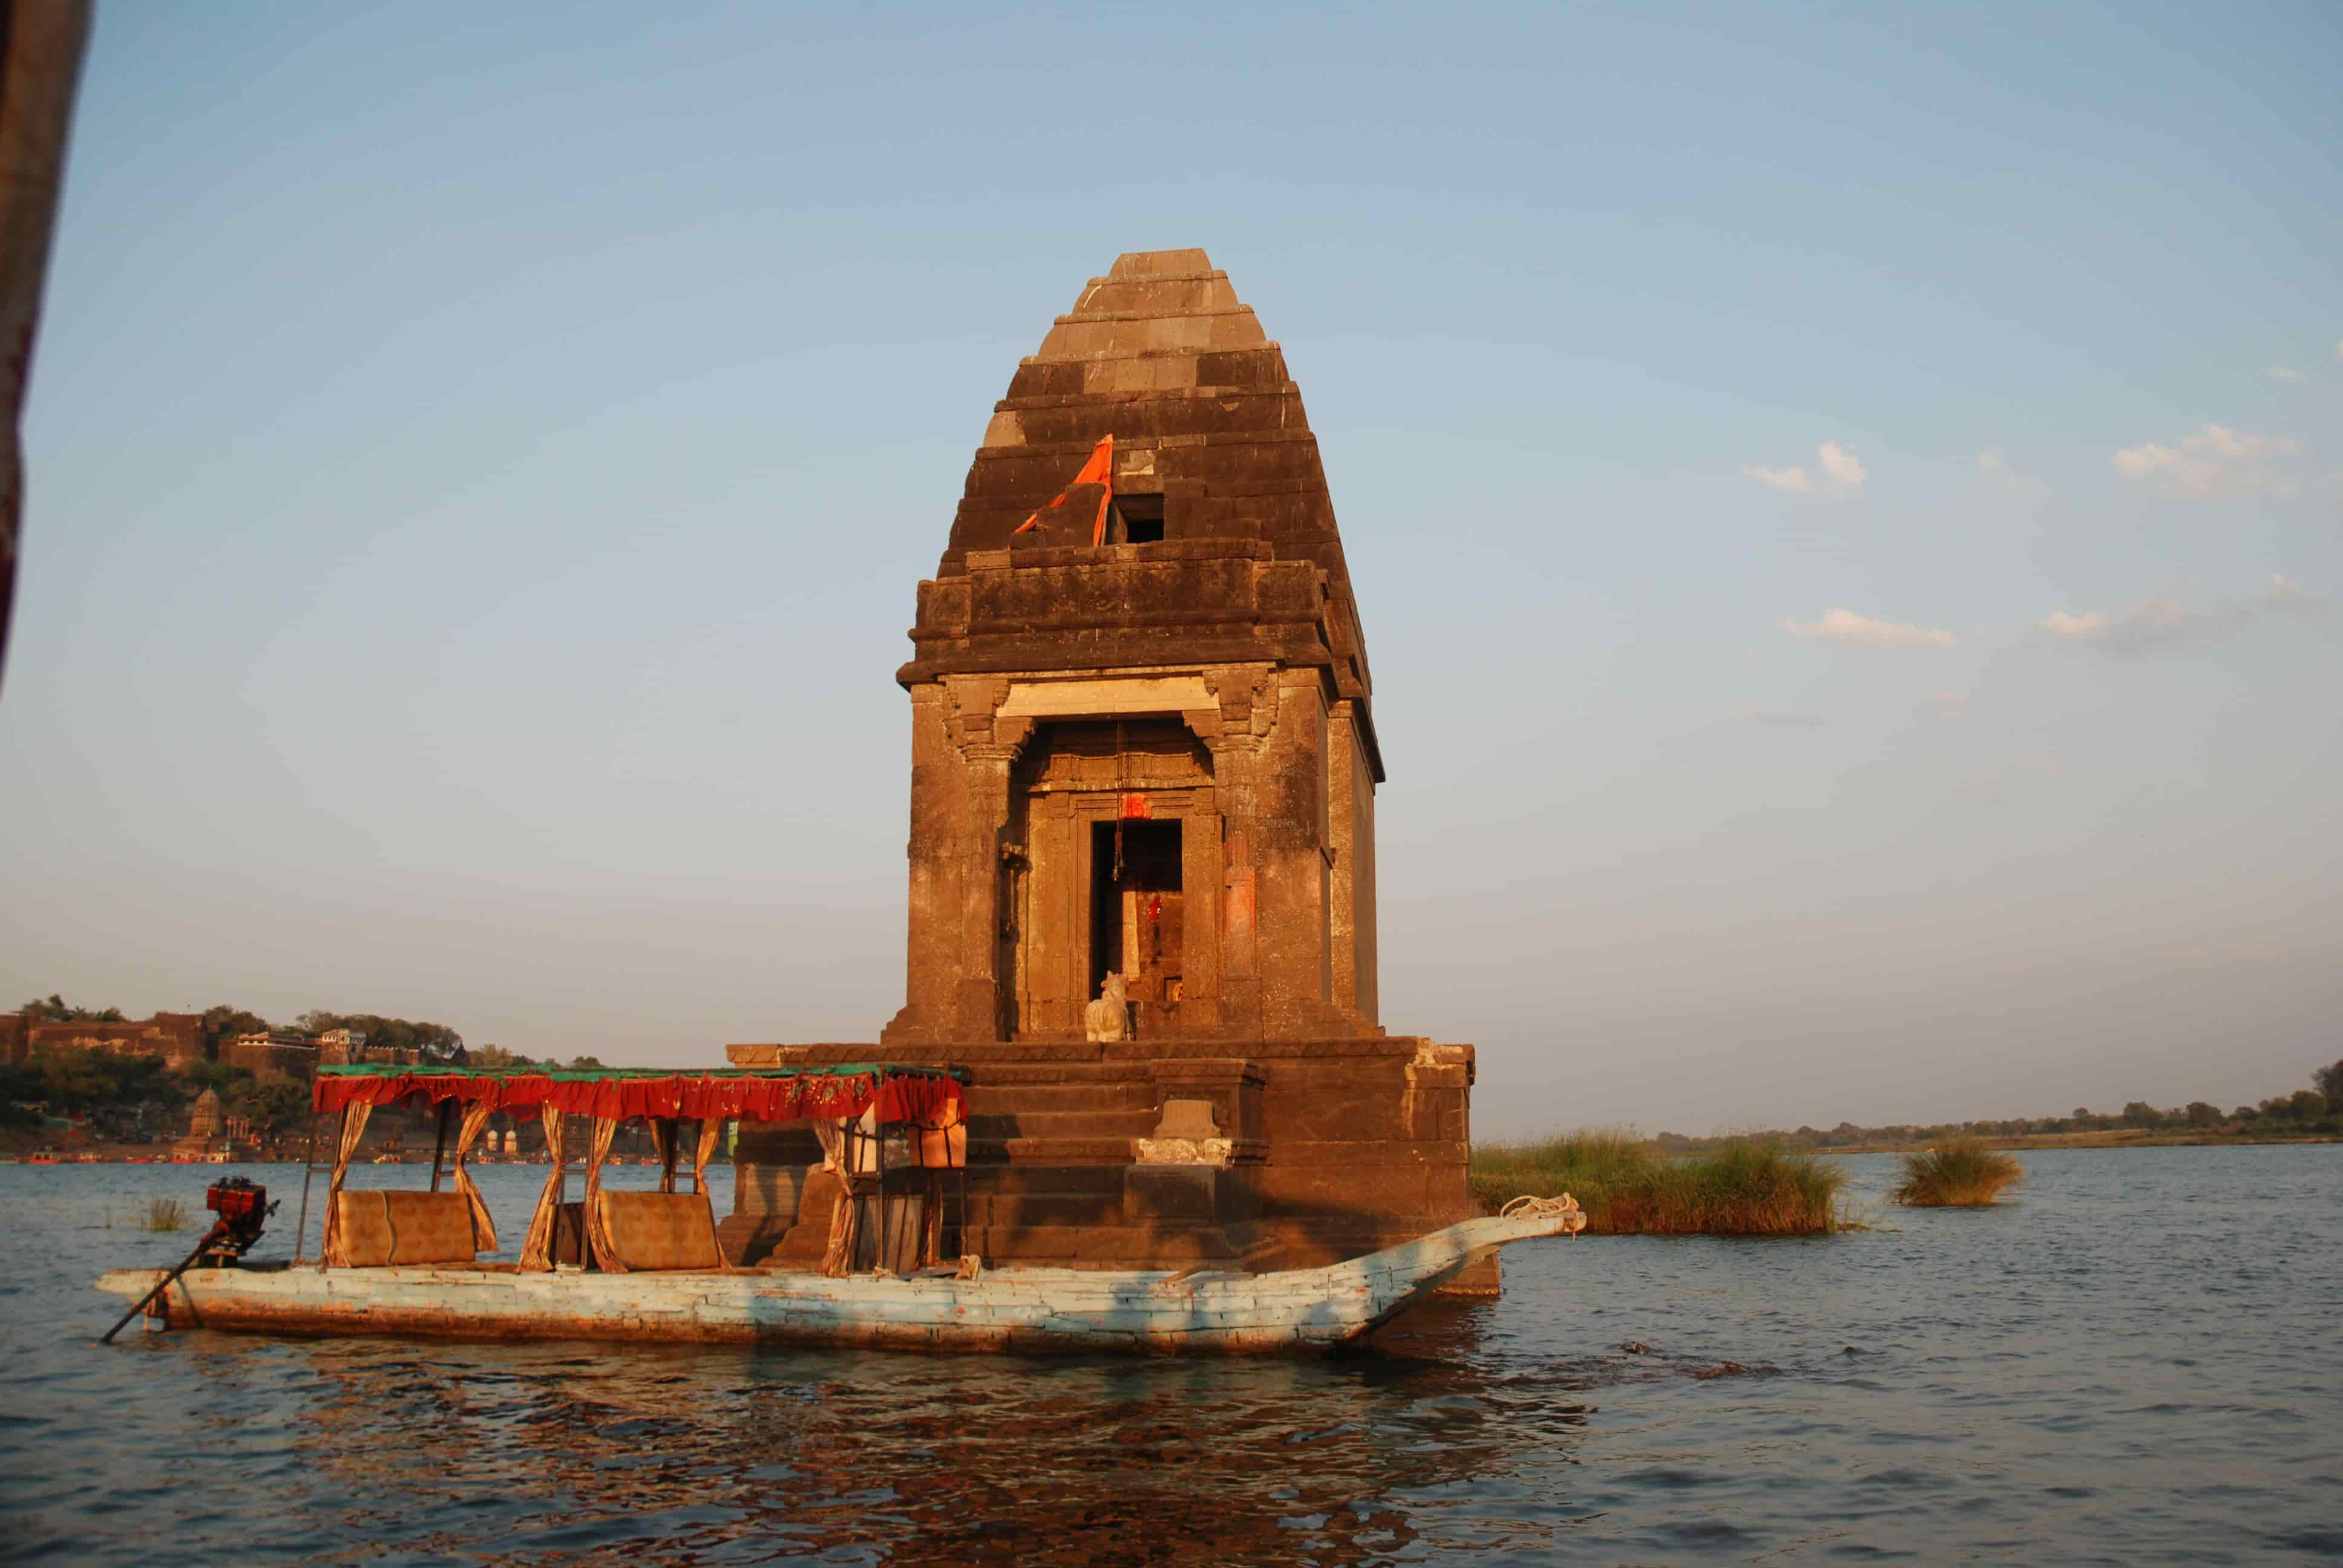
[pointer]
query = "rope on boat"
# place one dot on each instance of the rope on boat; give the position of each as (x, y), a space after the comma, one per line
(1530, 1207)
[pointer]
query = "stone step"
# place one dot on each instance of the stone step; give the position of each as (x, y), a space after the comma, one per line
(1026, 1099)
(1053, 1125)
(990, 1075)
(1114, 1152)
(1091, 1181)
(1025, 1211)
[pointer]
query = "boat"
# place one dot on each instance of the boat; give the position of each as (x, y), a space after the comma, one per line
(638, 1266)
(1155, 1312)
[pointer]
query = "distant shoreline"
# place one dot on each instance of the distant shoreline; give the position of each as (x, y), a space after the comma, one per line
(2118, 1138)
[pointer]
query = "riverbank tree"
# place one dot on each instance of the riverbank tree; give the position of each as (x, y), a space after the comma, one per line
(2313, 1111)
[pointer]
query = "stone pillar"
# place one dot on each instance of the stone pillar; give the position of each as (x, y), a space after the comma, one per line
(1236, 758)
(961, 756)
(1351, 845)
(1270, 742)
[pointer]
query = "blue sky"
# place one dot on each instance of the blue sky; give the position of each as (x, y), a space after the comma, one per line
(1846, 507)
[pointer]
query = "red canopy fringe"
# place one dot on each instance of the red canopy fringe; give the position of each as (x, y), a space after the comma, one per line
(922, 1100)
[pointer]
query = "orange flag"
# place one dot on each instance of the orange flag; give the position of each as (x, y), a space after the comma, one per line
(1099, 469)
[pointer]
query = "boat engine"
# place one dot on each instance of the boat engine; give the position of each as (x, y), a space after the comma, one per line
(243, 1208)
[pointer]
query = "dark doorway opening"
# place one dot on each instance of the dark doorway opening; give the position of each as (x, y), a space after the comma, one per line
(1135, 520)
(1135, 914)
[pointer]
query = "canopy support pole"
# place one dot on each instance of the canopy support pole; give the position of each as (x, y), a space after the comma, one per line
(309, 1173)
(439, 1150)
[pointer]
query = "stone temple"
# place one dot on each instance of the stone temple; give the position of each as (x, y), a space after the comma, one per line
(1143, 747)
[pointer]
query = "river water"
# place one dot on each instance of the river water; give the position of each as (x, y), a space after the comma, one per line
(2136, 1361)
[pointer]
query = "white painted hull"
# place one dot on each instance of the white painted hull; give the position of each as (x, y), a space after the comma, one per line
(1005, 1309)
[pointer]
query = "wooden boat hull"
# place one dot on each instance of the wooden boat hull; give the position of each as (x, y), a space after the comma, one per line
(1023, 1309)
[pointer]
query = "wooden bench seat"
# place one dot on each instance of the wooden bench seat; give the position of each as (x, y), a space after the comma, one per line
(382, 1228)
(654, 1231)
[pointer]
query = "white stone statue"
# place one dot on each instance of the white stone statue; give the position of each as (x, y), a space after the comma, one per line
(1109, 1017)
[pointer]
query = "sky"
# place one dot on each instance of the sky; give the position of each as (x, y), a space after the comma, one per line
(1845, 504)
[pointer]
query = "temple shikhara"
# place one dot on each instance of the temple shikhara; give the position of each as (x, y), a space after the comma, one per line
(1142, 865)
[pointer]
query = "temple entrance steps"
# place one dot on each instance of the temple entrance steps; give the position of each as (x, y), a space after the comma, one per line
(1127, 1092)
(1059, 1114)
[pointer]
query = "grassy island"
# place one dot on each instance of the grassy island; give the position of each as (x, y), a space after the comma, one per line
(1961, 1173)
(1745, 1187)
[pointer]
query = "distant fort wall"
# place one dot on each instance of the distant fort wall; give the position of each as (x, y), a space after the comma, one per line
(176, 1037)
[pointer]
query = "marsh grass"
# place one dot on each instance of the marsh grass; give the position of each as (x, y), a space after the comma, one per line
(1960, 1174)
(1744, 1188)
(164, 1214)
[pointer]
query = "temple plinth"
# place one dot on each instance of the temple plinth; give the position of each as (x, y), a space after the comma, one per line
(1142, 747)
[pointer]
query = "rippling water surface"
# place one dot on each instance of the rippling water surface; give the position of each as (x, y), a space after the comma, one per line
(2135, 1362)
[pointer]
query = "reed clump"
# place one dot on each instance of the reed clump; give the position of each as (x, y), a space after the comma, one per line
(1962, 1173)
(165, 1214)
(1747, 1187)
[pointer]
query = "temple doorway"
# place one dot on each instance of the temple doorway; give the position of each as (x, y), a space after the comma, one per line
(1135, 917)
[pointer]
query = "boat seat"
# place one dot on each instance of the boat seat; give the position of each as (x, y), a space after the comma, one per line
(386, 1228)
(653, 1231)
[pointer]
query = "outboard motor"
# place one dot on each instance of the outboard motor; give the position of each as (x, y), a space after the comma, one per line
(243, 1208)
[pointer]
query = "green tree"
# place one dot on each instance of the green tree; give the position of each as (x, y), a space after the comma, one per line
(76, 1079)
(434, 1041)
(2200, 1114)
(225, 1022)
(57, 1010)
(2328, 1082)
(2308, 1105)
(2140, 1113)
(586, 1061)
(273, 1103)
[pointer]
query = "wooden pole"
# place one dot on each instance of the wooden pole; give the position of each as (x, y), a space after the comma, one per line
(308, 1171)
(439, 1150)
(165, 1284)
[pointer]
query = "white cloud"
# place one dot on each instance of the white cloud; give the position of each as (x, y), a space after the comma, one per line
(2211, 460)
(1949, 706)
(2288, 372)
(1837, 471)
(1794, 480)
(1841, 469)
(1771, 719)
(2165, 622)
(2076, 626)
(1838, 625)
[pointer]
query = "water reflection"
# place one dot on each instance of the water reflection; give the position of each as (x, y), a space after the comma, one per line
(572, 1450)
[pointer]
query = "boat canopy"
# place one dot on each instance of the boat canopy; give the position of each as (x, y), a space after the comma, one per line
(926, 1097)
(930, 1102)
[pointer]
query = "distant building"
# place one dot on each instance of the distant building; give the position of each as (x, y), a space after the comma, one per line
(271, 1050)
(176, 1037)
(341, 1047)
(206, 1126)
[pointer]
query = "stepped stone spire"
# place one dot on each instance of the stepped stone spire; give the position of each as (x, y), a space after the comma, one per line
(1209, 427)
